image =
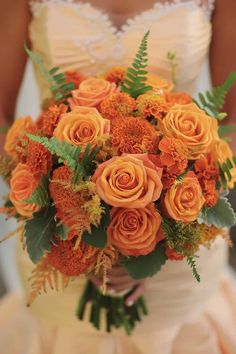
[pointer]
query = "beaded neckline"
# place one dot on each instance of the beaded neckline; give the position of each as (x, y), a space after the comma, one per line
(206, 5)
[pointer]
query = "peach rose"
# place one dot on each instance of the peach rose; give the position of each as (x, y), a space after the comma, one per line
(129, 181)
(184, 200)
(222, 152)
(82, 126)
(91, 92)
(22, 185)
(192, 126)
(135, 232)
(15, 133)
(159, 83)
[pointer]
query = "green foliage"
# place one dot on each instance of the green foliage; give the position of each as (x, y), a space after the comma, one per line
(221, 215)
(61, 232)
(59, 85)
(146, 266)
(213, 101)
(171, 56)
(226, 129)
(134, 82)
(225, 172)
(39, 233)
(98, 235)
(192, 263)
(40, 195)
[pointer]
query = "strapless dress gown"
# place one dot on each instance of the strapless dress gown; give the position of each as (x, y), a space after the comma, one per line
(185, 317)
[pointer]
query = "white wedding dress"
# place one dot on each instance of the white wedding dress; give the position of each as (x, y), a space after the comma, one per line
(185, 317)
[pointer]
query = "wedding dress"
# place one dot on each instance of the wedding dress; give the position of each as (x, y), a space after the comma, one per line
(185, 317)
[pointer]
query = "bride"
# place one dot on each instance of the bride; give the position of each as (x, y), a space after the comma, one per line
(185, 317)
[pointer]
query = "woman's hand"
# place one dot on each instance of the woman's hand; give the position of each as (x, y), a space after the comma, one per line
(118, 281)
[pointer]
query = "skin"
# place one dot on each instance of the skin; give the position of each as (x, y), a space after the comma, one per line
(14, 31)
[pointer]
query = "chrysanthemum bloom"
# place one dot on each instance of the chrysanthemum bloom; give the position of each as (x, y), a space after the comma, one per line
(71, 261)
(49, 119)
(134, 136)
(208, 175)
(152, 104)
(39, 159)
(177, 97)
(76, 77)
(173, 155)
(116, 74)
(117, 105)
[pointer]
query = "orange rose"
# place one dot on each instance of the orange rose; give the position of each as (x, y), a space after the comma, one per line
(91, 92)
(184, 200)
(222, 152)
(15, 133)
(129, 181)
(22, 185)
(192, 126)
(135, 232)
(159, 83)
(82, 126)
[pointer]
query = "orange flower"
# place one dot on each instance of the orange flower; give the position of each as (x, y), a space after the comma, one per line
(222, 152)
(129, 181)
(208, 175)
(133, 135)
(178, 97)
(152, 104)
(172, 255)
(15, 135)
(192, 126)
(173, 155)
(117, 105)
(49, 119)
(158, 83)
(82, 126)
(39, 159)
(91, 92)
(71, 261)
(134, 232)
(76, 77)
(22, 185)
(116, 74)
(184, 200)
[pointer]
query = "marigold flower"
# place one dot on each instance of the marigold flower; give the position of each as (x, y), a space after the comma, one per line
(76, 77)
(49, 119)
(133, 135)
(152, 104)
(117, 105)
(116, 74)
(177, 97)
(71, 261)
(173, 155)
(39, 159)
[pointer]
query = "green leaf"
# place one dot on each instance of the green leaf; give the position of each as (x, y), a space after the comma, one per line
(39, 233)
(221, 215)
(192, 263)
(226, 129)
(40, 195)
(146, 266)
(61, 232)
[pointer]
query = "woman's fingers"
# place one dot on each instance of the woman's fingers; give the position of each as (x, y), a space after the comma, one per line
(138, 291)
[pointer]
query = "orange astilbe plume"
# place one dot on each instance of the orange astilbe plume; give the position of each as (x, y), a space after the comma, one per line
(106, 258)
(177, 97)
(208, 174)
(39, 159)
(173, 155)
(117, 105)
(133, 135)
(152, 104)
(71, 260)
(48, 120)
(76, 77)
(43, 276)
(116, 74)
(210, 233)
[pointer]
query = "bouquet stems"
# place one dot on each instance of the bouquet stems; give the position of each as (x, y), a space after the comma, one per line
(117, 313)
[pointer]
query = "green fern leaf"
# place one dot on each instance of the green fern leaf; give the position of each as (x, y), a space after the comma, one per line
(192, 263)
(213, 101)
(134, 82)
(40, 195)
(59, 85)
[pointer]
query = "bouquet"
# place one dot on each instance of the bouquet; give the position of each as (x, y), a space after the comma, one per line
(118, 169)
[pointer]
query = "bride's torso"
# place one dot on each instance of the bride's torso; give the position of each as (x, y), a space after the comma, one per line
(78, 36)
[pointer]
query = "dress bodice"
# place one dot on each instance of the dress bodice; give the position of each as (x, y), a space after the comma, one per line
(78, 36)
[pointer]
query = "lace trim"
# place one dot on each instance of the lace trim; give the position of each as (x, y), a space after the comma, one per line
(206, 5)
